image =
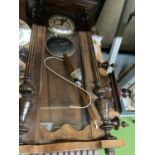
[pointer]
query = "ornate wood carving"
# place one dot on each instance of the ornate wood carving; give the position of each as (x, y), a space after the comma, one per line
(85, 11)
(67, 132)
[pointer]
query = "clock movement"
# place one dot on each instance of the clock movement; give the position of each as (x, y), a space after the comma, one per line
(65, 105)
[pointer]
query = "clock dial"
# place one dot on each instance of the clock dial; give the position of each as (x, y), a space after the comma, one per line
(61, 25)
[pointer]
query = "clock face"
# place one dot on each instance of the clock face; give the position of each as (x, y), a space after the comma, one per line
(61, 25)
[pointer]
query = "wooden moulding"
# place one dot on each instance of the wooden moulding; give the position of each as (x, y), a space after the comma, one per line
(36, 49)
(70, 146)
(88, 74)
(67, 132)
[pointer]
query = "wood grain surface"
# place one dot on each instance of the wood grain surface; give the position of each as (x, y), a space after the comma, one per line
(67, 132)
(33, 71)
(71, 146)
(69, 124)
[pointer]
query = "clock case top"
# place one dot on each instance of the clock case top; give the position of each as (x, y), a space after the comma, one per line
(83, 12)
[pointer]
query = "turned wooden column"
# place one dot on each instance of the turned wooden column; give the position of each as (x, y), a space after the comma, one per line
(29, 89)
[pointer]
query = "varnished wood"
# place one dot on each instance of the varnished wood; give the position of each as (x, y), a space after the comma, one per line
(40, 136)
(67, 132)
(71, 146)
(112, 143)
(81, 3)
(88, 74)
(37, 135)
(83, 12)
(31, 51)
(68, 65)
(35, 53)
(113, 113)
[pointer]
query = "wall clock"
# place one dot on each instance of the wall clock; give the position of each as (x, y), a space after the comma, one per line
(68, 23)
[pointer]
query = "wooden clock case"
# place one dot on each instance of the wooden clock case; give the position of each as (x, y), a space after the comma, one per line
(66, 129)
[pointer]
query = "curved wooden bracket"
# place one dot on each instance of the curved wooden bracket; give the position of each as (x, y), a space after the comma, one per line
(67, 132)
